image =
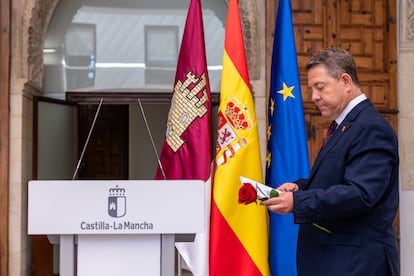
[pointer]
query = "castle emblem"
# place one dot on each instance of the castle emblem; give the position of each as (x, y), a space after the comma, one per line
(117, 202)
(236, 117)
(188, 103)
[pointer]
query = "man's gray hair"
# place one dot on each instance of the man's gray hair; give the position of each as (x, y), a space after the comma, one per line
(337, 61)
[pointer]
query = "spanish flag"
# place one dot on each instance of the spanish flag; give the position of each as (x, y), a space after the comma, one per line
(238, 233)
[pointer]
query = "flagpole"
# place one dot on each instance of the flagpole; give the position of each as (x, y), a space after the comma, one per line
(151, 138)
(87, 139)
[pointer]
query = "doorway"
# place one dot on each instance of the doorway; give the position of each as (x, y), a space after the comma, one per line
(106, 154)
(118, 147)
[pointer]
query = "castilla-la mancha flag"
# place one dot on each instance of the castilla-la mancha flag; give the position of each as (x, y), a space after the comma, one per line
(238, 233)
(187, 149)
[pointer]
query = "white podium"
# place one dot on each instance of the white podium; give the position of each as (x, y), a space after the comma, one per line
(117, 227)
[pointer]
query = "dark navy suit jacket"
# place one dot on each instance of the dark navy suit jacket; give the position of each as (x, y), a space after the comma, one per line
(352, 191)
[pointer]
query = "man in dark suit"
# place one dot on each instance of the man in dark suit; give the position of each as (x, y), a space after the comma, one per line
(347, 205)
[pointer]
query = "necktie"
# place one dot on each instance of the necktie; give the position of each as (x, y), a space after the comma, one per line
(331, 129)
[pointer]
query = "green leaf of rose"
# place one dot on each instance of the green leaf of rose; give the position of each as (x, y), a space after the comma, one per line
(274, 193)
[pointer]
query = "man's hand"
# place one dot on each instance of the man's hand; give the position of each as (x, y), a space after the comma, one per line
(283, 204)
(288, 187)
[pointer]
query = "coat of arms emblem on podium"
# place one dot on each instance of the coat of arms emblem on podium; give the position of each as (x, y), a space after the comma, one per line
(117, 202)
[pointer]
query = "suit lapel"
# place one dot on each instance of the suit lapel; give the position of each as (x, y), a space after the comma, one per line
(336, 137)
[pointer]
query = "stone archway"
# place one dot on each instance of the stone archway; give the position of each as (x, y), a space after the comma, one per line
(35, 18)
(37, 14)
(29, 24)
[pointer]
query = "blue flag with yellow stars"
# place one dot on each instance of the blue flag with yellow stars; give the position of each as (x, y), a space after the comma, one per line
(287, 151)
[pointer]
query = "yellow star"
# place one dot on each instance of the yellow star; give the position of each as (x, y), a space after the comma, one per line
(269, 132)
(272, 106)
(286, 92)
(268, 159)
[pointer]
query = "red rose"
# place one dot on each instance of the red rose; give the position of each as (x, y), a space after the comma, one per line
(247, 194)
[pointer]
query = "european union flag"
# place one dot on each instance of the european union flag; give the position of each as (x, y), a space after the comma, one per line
(287, 156)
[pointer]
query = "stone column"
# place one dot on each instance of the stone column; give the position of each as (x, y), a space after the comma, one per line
(405, 131)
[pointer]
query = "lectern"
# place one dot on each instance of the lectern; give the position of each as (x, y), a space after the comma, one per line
(116, 227)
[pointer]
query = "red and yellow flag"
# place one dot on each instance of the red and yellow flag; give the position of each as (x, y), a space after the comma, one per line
(238, 233)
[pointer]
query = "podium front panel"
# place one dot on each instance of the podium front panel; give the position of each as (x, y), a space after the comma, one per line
(109, 255)
(116, 207)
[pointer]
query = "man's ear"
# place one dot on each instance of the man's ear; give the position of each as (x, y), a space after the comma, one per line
(346, 78)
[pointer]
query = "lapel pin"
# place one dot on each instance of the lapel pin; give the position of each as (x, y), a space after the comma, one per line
(343, 128)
